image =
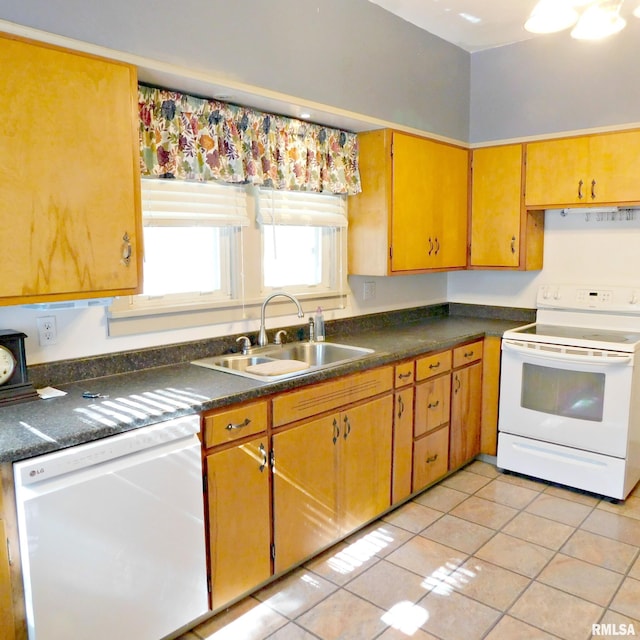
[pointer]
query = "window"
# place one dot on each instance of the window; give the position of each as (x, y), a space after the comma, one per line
(213, 251)
(302, 240)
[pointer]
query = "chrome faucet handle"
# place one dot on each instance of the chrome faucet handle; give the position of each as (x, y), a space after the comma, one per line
(279, 339)
(245, 344)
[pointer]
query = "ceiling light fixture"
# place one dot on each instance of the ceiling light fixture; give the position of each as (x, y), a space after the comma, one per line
(550, 16)
(598, 18)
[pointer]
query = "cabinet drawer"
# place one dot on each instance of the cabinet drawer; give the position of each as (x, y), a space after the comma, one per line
(237, 422)
(433, 364)
(310, 401)
(433, 401)
(467, 353)
(404, 374)
(430, 458)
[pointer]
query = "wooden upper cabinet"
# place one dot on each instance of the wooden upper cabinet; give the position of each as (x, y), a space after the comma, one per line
(412, 213)
(583, 171)
(503, 234)
(69, 185)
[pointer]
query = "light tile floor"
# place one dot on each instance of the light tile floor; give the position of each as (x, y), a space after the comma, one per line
(480, 555)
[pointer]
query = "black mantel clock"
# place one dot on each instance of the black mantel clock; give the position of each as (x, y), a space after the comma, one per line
(14, 384)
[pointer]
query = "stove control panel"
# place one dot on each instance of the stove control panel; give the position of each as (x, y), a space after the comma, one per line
(613, 299)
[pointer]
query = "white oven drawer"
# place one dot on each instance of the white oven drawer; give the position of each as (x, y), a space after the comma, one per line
(584, 470)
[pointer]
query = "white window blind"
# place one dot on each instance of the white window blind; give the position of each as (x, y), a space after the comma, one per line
(180, 203)
(301, 208)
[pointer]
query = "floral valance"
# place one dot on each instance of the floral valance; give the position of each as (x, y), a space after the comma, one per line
(191, 138)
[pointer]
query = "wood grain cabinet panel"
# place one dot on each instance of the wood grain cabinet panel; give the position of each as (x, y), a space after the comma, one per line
(70, 179)
(466, 413)
(503, 234)
(584, 170)
(402, 444)
(239, 519)
(331, 475)
(430, 458)
(411, 216)
(237, 422)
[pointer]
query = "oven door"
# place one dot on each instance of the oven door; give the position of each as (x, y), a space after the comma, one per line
(566, 395)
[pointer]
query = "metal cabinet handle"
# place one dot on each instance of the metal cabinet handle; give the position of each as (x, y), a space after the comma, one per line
(433, 458)
(347, 427)
(593, 189)
(239, 425)
(513, 244)
(437, 246)
(468, 354)
(126, 250)
(435, 365)
(580, 184)
(430, 246)
(336, 431)
(458, 384)
(263, 451)
(433, 405)
(402, 376)
(400, 407)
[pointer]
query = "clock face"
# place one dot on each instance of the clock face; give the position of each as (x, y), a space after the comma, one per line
(7, 364)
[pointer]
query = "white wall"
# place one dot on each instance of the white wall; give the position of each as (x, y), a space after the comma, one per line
(83, 332)
(575, 251)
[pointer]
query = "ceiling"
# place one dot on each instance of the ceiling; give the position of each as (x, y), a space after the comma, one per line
(472, 25)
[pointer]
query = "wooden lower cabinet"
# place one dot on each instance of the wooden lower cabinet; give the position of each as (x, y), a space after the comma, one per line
(402, 444)
(7, 622)
(430, 457)
(331, 475)
(239, 519)
(466, 414)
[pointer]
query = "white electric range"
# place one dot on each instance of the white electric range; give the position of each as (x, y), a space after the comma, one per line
(570, 390)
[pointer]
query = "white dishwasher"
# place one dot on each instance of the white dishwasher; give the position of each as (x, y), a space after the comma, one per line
(112, 536)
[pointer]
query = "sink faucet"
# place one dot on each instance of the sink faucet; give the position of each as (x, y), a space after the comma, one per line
(262, 336)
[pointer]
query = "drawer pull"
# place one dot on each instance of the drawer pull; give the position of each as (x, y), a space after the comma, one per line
(468, 354)
(433, 405)
(580, 189)
(433, 458)
(402, 376)
(435, 365)
(400, 407)
(336, 431)
(239, 425)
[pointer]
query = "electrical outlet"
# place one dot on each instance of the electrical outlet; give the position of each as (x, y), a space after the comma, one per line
(47, 333)
(369, 290)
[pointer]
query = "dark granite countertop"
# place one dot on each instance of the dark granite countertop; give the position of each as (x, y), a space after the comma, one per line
(140, 398)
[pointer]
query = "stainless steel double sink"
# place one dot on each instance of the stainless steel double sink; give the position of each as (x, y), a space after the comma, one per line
(317, 355)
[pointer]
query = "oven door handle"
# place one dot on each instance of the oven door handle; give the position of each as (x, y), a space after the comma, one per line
(608, 359)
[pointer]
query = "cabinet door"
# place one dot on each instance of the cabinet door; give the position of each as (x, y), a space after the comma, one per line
(430, 458)
(365, 462)
(305, 490)
(557, 172)
(429, 204)
(239, 519)
(466, 410)
(615, 166)
(69, 186)
(7, 623)
(496, 204)
(402, 444)
(432, 404)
